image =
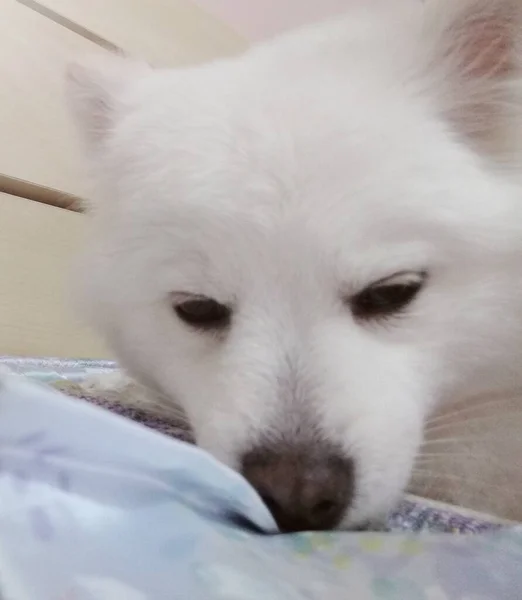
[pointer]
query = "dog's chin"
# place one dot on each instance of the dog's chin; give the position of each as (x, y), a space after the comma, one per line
(371, 511)
(373, 523)
(367, 526)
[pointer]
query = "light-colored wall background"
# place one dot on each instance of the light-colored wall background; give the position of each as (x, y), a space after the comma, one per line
(256, 19)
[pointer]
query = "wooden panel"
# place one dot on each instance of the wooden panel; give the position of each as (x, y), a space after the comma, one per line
(166, 32)
(38, 142)
(37, 243)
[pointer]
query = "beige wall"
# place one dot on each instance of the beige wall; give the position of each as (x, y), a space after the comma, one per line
(41, 163)
(256, 19)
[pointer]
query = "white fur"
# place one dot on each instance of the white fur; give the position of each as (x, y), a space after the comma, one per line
(281, 181)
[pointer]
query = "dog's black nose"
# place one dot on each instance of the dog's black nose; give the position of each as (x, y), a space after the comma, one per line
(304, 491)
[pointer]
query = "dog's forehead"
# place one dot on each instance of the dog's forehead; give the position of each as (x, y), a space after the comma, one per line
(267, 161)
(316, 236)
(286, 170)
(249, 128)
(276, 192)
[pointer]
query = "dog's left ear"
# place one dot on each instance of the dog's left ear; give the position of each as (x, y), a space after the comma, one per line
(95, 88)
(473, 64)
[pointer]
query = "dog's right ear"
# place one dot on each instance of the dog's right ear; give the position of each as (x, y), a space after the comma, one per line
(95, 87)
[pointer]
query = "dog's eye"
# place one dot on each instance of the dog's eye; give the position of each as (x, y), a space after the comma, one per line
(387, 297)
(203, 313)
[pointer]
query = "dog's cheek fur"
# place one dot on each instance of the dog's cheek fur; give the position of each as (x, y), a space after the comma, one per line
(182, 169)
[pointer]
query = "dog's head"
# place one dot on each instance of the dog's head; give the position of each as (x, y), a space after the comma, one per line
(307, 245)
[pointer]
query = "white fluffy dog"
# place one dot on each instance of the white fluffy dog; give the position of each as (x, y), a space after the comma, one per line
(313, 245)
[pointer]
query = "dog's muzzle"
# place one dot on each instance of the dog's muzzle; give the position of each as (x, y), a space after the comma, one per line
(309, 489)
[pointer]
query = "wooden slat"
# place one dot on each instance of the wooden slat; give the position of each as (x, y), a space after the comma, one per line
(38, 142)
(39, 193)
(165, 32)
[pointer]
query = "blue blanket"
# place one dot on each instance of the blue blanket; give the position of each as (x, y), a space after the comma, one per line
(95, 507)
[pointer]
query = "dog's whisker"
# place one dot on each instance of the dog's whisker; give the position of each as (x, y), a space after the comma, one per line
(454, 445)
(434, 476)
(473, 408)
(494, 418)
(495, 394)
(463, 453)
(447, 441)
(451, 460)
